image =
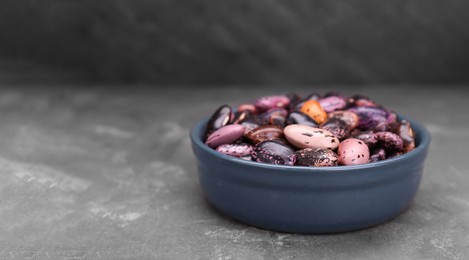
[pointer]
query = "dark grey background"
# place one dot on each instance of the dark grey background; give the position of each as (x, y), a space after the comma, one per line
(237, 42)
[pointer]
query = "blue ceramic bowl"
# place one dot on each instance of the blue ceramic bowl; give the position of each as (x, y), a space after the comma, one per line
(310, 199)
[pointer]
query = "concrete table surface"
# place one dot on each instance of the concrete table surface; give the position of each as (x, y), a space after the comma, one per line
(108, 173)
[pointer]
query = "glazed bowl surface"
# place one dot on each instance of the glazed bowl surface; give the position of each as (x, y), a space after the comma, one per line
(302, 199)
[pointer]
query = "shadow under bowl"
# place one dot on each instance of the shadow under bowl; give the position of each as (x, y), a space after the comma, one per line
(303, 199)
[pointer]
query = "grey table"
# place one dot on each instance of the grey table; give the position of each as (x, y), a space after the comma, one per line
(108, 173)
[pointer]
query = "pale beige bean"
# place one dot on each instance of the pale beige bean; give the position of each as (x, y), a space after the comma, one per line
(302, 136)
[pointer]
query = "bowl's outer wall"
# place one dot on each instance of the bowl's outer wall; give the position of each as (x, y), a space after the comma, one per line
(309, 200)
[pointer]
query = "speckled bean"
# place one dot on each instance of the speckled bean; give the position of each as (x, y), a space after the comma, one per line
(302, 136)
(378, 155)
(390, 141)
(405, 131)
(236, 150)
(368, 137)
(332, 103)
(268, 102)
(316, 157)
(350, 118)
(275, 116)
(250, 123)
(371, 118)
(361, 101)
(274, 153)
(337, 127)
(353, 151)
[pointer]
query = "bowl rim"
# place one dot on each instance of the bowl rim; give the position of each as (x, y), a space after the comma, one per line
(422, 135)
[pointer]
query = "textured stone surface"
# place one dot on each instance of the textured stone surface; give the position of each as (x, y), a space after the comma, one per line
(87, 173)
(243, 42)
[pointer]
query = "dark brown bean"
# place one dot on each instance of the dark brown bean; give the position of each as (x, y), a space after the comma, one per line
(264, 133)
(221, 117)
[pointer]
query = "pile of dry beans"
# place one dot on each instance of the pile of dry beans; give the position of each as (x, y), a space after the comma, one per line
(315, 130)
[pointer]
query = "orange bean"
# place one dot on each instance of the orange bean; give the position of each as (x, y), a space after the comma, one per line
(314, 110)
